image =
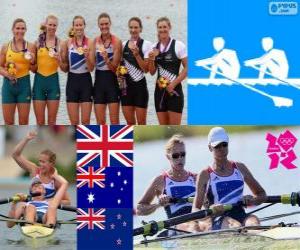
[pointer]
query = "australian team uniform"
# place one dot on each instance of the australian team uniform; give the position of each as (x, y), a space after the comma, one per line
(179, 189)
(46, 82)
(137, 93)
(168, 65)
(19, 91)
(79, 84)
(106, 87)
(226, 190)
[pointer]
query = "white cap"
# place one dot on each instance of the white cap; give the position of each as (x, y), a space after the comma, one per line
(216, 136)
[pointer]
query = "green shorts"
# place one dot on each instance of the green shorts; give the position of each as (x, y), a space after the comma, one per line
(19, 92)
(46, 87)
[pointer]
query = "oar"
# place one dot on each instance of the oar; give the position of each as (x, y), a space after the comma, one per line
(67, 208)
(269, 74)
(173, 200)
(153, 227)
(182, 200)
(17, 198)
(278, 101)
(15, 220)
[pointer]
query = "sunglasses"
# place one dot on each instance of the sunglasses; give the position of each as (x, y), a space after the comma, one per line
(177, 155)
(221, 145)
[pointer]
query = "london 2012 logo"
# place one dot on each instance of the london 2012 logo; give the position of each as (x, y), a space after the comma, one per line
(283, 8)
(281, 150)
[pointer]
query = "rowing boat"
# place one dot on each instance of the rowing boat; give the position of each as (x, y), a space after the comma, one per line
(37, 235)
(37, 231)
(265, 237)
(249, 81)
(276, 236)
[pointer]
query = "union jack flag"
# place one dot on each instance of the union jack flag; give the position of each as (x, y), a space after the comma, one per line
(90, 218)
(90, 177)
(105, 145)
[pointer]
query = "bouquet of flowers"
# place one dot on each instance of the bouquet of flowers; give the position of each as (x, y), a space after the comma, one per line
(11, 68)
(121, 72)
(163, 83)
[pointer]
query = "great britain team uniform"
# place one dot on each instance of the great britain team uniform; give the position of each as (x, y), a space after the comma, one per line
(137, 93)
(106, 87)
(79, 84)
(226, 190)
(179, 189)
(41, 209)
(20, 91)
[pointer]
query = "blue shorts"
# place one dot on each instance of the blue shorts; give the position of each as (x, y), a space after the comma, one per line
(238, 214)
(39, 217)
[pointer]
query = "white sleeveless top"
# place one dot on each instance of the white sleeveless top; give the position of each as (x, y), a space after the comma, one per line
(49, 187)
(179, 189)
(41, 206)
(77, 62)
(225, 189)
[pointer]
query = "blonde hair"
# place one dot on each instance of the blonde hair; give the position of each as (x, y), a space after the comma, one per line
(51, 17)
(175, 139)
(50, 154)
(164, 19)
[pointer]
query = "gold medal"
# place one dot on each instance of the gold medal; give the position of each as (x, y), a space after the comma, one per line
(80, 50)
(101, 48)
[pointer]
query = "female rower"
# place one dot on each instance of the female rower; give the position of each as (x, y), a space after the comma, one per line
(43, 170)
(16, 60)
(223, 183)
(176, 182)
(39, 209)
(135, 96)
(78, 59)
(108, 49)
(166, 58)
(46, 91)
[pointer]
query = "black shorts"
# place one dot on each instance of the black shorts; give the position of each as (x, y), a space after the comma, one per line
(136, 94)
(238, 214)
(79, 87)
(106, 87)
(165, 102)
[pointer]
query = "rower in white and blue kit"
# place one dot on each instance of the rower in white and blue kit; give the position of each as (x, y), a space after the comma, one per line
(176, 182)
(39, 209)
(223, 183)
(43, 170)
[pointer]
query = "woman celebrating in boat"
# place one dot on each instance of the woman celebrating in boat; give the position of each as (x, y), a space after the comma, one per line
(43, 171)
(39, 209)
(46, 91)
(108, 50)
(16, 60)
(78, 59)
(173, 183)
(135, 96)
(166, 57)
(223, 183)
